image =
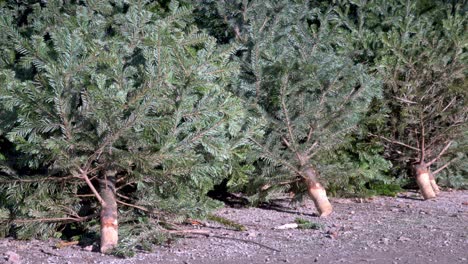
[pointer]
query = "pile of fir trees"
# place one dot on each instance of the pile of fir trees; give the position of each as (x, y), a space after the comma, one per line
(119, 117)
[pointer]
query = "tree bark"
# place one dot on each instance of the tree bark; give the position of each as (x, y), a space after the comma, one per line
(424, 182)
(434, 185)
(109, 224)
(317, 192)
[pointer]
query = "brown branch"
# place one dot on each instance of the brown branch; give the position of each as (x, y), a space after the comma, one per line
(38, 180)
(309, 135)
(310, 149)
(286, 114)
(443, 167)
(124, 185)
(144, 209)
(49, 220)
(395, 142)
(440, 154)
(122, 196)
(84, 176)
(278, 160)
(286, 142)
(404, 100)
(423, 150)
(200, 135)
(268, 186)
(448, 105)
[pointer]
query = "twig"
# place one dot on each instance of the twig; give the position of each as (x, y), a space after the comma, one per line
(122, 196)
(443, 167)
(286, 114)
(395, 142)
(84, 176)
(53, 219)
(144, 209)
(441, 153)
(404, 100)
(423, 151)
(309, 135)
(273, 157)
(38, 180)
(268, 186)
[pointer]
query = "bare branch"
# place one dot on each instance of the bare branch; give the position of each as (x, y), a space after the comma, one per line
(422, 147)
(449, 104)
(395, 142)
(309, 135)
(404, 100)
(286, 164)
(441, 153)
(443, 167)
(286, 114)
(311, 148)
(144, 209)
(37, 180)
(48, 220)
(84, 176)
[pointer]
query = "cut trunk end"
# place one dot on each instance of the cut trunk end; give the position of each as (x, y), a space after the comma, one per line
(317, 192)
(109, 224)
(434, 185)
(319, 196)
(424, 183)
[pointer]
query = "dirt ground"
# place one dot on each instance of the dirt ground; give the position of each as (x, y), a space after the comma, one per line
(379, 230)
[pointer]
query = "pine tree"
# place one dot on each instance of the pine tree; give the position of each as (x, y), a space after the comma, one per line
(121, 102)
(296, 74)
(420, 52)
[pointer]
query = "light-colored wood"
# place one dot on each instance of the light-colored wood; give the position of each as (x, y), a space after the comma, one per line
(425, 187)
(319, 196)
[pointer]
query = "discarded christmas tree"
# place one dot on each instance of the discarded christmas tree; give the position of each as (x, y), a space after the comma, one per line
(297, 76)
(116, 105)
(419, 52)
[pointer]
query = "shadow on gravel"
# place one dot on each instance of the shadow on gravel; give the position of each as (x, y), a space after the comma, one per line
(275, 206)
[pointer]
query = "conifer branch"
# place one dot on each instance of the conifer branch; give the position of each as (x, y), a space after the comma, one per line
(38, 180)
(199, 135)
(83, 175)
(281, 161)
(284, 84)
(395, 142)
(440, 153)
(51, 219)
(444, 166)
(422, 147)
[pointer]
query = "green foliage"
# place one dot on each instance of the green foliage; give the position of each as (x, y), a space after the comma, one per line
(306, 224)
(122, 86)
(298, 77)
(226, 222)
(419, 50)
(352, 168)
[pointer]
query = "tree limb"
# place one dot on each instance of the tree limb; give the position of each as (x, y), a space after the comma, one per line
(286, 114)
(443, 167)
(395, 142)
(84, 176)
(441, 153)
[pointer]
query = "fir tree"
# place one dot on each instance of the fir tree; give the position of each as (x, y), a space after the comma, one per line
(121, 102)
(419, 50)
(297, 76)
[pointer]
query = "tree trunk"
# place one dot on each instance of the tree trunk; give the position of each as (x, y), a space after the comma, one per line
(317, 193)
(423, 180)
(434, 185)
(109, 224)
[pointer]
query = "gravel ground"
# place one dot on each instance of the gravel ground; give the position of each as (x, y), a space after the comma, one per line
(379, 230)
